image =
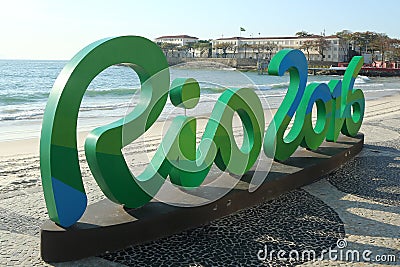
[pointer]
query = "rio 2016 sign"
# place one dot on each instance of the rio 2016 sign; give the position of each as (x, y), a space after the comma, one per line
(340, 108)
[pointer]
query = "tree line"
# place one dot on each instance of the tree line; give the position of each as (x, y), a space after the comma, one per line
(258, 48)
(203, 46)
(355, 43)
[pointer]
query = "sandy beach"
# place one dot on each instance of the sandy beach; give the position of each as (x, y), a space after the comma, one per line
(363, 197)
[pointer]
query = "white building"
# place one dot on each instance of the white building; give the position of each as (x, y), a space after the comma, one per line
(267, 47)
(179, 40)
(179, 44)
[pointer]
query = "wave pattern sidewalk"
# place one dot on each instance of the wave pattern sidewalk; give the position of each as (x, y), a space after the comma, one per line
(366, 191)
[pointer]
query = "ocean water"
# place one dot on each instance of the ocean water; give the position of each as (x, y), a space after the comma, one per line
(25, 87)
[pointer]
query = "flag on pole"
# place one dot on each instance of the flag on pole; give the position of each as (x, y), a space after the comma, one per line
(242, 29)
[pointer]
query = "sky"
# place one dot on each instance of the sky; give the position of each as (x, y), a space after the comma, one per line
(54, 29)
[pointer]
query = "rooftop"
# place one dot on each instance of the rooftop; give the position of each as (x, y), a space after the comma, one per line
(273, 38)
(177, 36)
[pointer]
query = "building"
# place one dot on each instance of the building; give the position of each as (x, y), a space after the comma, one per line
(179, 40)
(177, 45)
(267, 47)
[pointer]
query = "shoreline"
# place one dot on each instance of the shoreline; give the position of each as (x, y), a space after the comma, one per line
(30, 146)
(13, 130)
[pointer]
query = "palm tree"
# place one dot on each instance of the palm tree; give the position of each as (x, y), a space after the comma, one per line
(245, 46)
(382, 43)
(395, 51)
(344, 41)
(269, 47)
(203, 46)
(234, 48)
(307, 45)
(166, 47)
(259, 48)
(357, 40)
(224, 46)
(321, 44)
(187, 48)
(303, 34)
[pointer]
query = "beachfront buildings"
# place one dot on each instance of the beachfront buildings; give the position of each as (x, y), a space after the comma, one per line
(177, 45)
(326, 48)
(315, 47)
(179, 40)
(184, 46)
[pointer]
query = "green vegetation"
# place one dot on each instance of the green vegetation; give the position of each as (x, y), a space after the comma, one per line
(373, 42)
(355, 43)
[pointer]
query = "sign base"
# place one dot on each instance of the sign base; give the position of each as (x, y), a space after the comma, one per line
(107, 226)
